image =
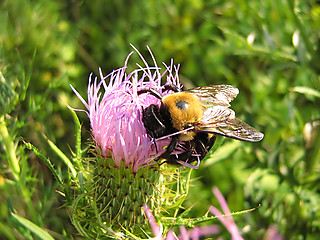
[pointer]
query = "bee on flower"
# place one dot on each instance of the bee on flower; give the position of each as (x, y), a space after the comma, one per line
(134, 115)
(138, 121)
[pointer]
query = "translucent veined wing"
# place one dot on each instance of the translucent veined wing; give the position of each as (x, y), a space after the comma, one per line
(221, 120)
(215, 95)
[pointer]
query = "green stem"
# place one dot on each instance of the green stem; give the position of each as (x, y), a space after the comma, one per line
(9, 148)
(78, 151)
(314, 155)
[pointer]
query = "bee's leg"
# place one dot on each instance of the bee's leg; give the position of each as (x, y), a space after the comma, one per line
(155, 145)
(155, 122)
(154, 110)
(203, 147)
(208, 145)
(151, 91)
(185, 156)
(170, 148)
(158, 95)
(211, 141)
(154, 141)
(151, 119)
(171, 87)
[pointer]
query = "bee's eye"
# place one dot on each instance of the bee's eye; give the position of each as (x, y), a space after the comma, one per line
(182, 104)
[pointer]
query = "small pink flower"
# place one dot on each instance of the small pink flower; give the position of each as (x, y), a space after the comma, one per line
(273, 234)
(197, 232)
(226, 219)
(115, 112)
(154, 226)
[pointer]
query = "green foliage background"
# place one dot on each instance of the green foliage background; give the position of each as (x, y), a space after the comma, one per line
(268, 49)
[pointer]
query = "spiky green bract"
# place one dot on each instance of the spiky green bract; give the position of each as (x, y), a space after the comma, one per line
(113, 199)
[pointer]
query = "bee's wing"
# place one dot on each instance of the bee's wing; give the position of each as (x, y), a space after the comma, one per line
(215, 95)
(221, 120)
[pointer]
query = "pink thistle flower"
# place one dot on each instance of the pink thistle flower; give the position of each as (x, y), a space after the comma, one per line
(115, 112)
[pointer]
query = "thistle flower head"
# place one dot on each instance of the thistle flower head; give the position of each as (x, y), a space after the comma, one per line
(122, 177)
(115, 108)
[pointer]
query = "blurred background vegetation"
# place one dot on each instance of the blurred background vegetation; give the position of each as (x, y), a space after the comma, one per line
(268, 49)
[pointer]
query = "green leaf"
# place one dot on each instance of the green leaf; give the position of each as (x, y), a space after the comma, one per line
(78, 152)
(8, 97)
(46, 161)
(63, 157)
(306, 91)
(222, 153)
(42, 234)
(9, 147)
(6, 231)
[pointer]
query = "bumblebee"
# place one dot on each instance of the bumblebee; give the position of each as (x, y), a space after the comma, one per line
(192, 119)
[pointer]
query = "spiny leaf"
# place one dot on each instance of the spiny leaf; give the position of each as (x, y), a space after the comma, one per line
(46, 161)
(63, 157)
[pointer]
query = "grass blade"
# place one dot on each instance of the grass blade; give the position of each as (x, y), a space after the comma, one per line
(42, 234)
